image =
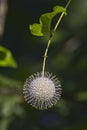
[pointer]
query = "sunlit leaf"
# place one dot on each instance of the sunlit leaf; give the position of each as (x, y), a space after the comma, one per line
(45, 22)
(6, 58)
(36, 29)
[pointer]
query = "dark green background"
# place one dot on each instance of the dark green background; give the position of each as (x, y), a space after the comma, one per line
(67, 59)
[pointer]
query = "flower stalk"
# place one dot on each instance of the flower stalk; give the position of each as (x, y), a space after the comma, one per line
(51, 37)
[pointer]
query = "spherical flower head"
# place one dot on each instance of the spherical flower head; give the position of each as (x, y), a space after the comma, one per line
(42, 91)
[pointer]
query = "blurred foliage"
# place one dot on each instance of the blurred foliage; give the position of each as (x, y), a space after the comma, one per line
(67, 59)
(10, 101)
(6, 58)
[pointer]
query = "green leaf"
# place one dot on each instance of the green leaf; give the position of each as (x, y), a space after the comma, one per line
(36, 29)
(45, 22)
(6, 58)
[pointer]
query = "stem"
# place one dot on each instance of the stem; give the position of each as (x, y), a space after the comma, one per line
(50, 38)
(45, 56)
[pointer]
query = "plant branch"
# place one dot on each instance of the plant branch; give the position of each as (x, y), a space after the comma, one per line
(50, 38)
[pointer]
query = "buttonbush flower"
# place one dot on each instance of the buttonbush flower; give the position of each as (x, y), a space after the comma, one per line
(42, 91)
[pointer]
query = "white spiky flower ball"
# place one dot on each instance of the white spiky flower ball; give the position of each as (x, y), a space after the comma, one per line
(42, 92)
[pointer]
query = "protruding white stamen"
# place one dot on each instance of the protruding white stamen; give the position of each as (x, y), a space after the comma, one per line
(42, 91)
